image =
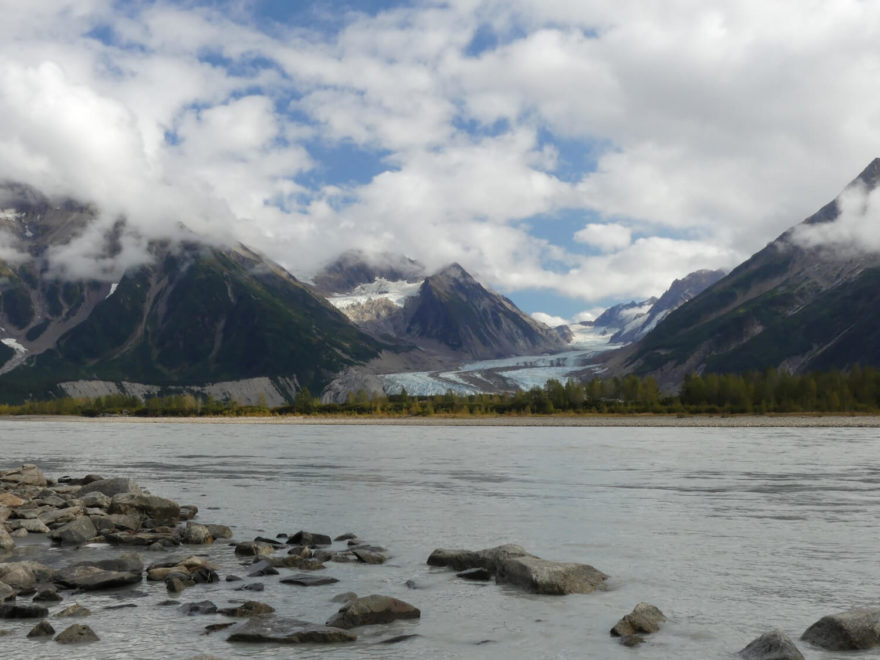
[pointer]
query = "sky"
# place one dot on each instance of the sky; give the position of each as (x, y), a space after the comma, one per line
(570, 154)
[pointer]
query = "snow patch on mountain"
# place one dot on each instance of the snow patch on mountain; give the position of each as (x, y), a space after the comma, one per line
(395, 292)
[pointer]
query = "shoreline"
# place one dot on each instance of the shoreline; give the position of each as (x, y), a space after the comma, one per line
(599, 421)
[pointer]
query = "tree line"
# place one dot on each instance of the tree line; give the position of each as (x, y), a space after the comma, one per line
(757, 392)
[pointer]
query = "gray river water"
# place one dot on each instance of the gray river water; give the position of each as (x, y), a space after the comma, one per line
(729, 531)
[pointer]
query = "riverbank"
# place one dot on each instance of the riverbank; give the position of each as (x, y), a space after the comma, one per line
(706, 421)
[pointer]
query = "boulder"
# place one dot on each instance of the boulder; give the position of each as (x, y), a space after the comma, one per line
(6, 541)
(15, 611)
(280, 630)
(127, 562)
(371, 610)
(6, 592)
(42, 629)
(306, 580)
(61, 516)
(24, 575)
(852, 630)
(10, 501)
(96, 500)
(26, 475)
(293, 561)
(30, 525)
(541, 576)
(159, 510)
(89, 577)
(309, 538)
(176, 582)
(773, 645)
(644, 619)
(489, 558)
(74, 610)
(47, 595)
(77, 634)
(110, 487)
(188, 511)
(195, 534)
(77, 532)
(247, 609)
(202, 607)
(254, 548)
(369, 556)
(219, 531)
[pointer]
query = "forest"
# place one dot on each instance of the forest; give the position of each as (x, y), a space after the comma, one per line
(755, 392)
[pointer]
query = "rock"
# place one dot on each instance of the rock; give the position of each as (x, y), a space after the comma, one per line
(195, 534)
(15, 611)
(851, 630)
(89, 577)
(541, 576)
(77, 634)
(19, 533)
(5, 512)
(74, 610)
(202, 607)
(77, 532)
(177, 582)
(305, 580)
(31, 525)
(263, 539)
(480, 574)
(371, 610)
(61, 516)
(346, 537)
(6, 541)
(160, 510)
(464, 559)
(309, 538)
(645, 618)
(155, 540)
(367, 556)
(631, 640)
(110, 487)
(42, 629)
(280, 630)
(24, 575)
(773, 645)
(253, 586)
(248, 608)
(254, 549)
(293, 561)
(26, 475)
(47, 595)
(6, 592)
(346, 597)
(95, 499)
(219, 531)
(10, 501)
(188, 511)
(127, 562)
(233, 578)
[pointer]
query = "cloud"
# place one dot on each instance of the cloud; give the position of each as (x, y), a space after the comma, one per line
(855, 231)
(609, 237)
(549, 320)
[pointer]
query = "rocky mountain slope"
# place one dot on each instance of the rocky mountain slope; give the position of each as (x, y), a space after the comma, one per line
(195, 314)
(802, 303)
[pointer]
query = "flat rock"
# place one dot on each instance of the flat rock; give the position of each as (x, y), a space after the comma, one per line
(489, 558)
(645, 619)
(294, 561)
(281, 630)
(542, 576)
(77, 634)
(78, 531)
(160, 510)
(248, 608)
(309, 538)
(89, 577)
(371, 610)
(852, 630)
(110, 487)
(307, 580)
(16, 611)
(31, 525)
(202, 607)
(95, 500)
(61, 516)
(773, 645)
(26, 475)
(10, 501)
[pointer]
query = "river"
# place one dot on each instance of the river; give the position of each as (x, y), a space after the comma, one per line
(729, 531)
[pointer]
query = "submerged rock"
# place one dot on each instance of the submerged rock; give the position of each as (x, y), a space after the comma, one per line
(371, 610)
(773, 645)
(77, 634)
(852, 630)
(248, 608)
(305, 580)
(15, 611)
(281, 630)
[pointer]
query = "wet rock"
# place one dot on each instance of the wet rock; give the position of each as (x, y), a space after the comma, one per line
(202, 607)
(6, 541)
(18, 533)
(89, 577)
(160, 510)
(233, 578)
(47, 595)
(306, 580)
(177, 582)
(631, 640)
(248, 608)
(541, 576)
(852, 630)
(263, 539)
(773, 645)
(149, 539)
(293, 561)
(77, 532)
(280, 630)
(214, 627)
(6, 592)
(74, 610)
(195, 534)
(24, 575)
(5, 512)
(219, 531)
(42, 629)
(110, 487)
(309, 538)
(369, 556)
(188, 511)
(77, 634)
(30, 525)
(371, 610)
(396, 640)
(477, 574)
(254, 586)
(61, 516)
(346, 597)
(123, 606)
(346, 537)
(16, 611)
(128, 562)
(254, 549)
(26, 475)
(645, 619)
(489, 558)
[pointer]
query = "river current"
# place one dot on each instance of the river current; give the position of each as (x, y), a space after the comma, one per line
(729, 531)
